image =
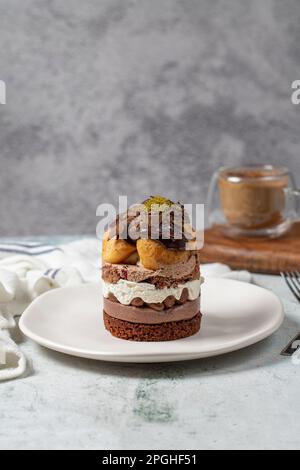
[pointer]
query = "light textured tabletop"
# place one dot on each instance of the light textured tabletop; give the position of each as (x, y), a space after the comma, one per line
(247, 399)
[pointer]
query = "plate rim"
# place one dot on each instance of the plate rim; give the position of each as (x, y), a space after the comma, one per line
(169, 356)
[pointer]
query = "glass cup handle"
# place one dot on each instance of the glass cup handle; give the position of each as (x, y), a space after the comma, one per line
(213, 188)
(293, 202)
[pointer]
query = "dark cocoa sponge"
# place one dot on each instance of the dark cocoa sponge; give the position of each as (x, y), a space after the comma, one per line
(147, 332)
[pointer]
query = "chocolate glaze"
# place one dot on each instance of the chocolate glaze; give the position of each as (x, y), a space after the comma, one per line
(141, 220)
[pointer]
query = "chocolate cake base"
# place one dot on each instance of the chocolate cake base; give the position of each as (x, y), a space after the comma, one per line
(145, 332)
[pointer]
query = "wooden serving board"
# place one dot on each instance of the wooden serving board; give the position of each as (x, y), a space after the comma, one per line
(254, 254)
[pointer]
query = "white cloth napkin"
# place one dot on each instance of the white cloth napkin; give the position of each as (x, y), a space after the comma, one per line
(27, 271)
(30, 269)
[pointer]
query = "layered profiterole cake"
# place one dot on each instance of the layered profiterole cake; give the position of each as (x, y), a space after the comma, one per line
(151, 286)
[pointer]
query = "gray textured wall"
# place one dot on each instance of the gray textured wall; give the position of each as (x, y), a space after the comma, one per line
(138, 97)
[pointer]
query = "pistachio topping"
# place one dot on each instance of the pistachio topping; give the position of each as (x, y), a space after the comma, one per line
(157, 201)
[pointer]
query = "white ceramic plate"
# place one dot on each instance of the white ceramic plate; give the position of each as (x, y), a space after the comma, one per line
(235, 315)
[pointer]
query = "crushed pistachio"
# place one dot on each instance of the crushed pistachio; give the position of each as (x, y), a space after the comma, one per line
(157, 201)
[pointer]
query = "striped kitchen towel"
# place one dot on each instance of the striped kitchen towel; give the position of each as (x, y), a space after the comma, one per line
(27, 270)
(28, 249)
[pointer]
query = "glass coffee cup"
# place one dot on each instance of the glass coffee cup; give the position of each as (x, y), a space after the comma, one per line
(253, 200)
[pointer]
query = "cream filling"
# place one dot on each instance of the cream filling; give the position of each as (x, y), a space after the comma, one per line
(126, 291)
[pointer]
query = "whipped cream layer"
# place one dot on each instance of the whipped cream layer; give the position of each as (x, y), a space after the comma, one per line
(126, 291)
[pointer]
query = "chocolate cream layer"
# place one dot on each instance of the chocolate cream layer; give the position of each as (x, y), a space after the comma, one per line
(147, 316)
(168, 276)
